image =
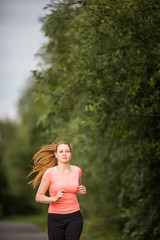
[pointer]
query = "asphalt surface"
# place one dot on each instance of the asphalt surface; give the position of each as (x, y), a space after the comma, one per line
(14, 230)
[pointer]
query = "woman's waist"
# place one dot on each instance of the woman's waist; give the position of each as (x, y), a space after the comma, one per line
(63, 206)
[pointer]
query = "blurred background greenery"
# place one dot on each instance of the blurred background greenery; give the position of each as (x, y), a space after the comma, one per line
(97, 86)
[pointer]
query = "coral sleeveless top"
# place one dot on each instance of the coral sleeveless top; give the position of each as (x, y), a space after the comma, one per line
(68, 182)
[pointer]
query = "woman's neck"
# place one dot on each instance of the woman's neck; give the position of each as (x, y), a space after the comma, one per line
(63, 167)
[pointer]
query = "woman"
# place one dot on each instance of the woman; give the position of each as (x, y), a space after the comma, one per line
(63, 182)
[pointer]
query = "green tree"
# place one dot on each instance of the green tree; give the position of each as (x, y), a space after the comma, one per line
(20, 144)
(102, 88)
(7, 135)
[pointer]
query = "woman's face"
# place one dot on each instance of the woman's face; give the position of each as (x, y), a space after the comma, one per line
(63, 153)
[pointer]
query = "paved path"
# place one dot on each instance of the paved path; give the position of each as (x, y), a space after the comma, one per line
(14, 230)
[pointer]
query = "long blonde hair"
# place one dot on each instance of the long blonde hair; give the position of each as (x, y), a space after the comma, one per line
(44, 159)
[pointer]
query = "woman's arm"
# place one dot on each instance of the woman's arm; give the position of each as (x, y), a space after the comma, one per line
(81, 188)
(42, 198)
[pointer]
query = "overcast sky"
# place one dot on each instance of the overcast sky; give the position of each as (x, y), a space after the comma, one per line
(20, 39)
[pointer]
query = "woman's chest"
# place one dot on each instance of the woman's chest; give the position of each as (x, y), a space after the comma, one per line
(69, 183)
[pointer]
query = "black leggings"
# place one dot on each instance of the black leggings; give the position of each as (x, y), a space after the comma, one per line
(65, 226)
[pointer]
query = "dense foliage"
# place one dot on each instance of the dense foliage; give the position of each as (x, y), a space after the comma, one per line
(98, 87)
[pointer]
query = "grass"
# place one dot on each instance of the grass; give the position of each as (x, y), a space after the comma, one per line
(96, 229)
(39, 220)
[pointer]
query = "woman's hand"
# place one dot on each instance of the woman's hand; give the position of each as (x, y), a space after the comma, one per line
(60, 194)
(81, 190)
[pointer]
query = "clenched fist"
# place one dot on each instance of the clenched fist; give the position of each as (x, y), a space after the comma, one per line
(60, 194)
(81, 190)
